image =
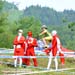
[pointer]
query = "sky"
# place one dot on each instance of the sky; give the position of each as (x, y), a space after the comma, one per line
(58, 5)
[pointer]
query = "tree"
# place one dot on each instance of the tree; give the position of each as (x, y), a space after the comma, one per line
(30, 24)
(1, 5)
(71, 26)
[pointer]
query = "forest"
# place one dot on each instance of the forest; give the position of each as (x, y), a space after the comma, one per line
(32, 18)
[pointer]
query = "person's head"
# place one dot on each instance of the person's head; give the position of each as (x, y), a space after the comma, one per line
(44, 27)
(54, 32)
(29, 33)
(20, 32)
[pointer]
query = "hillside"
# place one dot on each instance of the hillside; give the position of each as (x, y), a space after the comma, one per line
(46, 15)
(12, 19)
(50, 16)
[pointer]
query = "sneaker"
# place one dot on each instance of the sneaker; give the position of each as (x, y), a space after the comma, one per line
(46, 46)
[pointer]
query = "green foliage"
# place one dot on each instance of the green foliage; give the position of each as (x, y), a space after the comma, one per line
(72, 26)
(5, 40)
(9, 6)
(42, 63)
(1, 5)
(31, 19)
(30, 24)
(66, 36)
(49, 16)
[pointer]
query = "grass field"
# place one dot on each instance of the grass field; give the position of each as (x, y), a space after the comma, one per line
(42, 63)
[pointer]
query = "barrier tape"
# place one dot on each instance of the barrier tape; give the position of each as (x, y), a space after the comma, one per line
(9, 51)
(3, 56)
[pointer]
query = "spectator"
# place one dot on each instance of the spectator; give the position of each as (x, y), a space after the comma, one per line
(18, 45)
(31, 43)
(55, 49)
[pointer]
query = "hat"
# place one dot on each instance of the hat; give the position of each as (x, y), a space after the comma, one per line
(54, 32)
(29, 33)
(20, 30)
(44, 26)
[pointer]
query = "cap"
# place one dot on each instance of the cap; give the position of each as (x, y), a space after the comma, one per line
(54, 32)
(20, 30)
(44, 26)
(29, 33)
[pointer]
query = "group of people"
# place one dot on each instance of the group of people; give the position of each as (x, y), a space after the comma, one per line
(55, 49)
(25, 47)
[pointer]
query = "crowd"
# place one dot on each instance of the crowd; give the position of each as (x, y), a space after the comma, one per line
(26, 47)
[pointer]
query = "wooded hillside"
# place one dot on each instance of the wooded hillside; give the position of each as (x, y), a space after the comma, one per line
(12, 19)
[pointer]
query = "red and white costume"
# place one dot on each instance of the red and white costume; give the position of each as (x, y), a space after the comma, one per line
(56, 48)
(31, 43)
(19, 47)
(62, 59)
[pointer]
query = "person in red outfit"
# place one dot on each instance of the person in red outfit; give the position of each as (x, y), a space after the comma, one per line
(55, 49)
(25, 50)
(62, 59)
(19, 46)
(31, 43)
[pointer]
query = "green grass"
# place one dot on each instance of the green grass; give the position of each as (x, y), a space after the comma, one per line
(42, 62)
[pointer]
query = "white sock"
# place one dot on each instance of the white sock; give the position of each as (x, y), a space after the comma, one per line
(56, 63)
(20, 62)
(49, 63)
(15, 62)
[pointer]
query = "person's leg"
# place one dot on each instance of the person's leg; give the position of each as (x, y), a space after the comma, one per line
(49, 61)
(62, 59)
(15, 62)
(35, 62)
(56, 63)
(47, 40)
(44, 40)
(34, 59)
(20, 62)
(24, 60)
(28, 59)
